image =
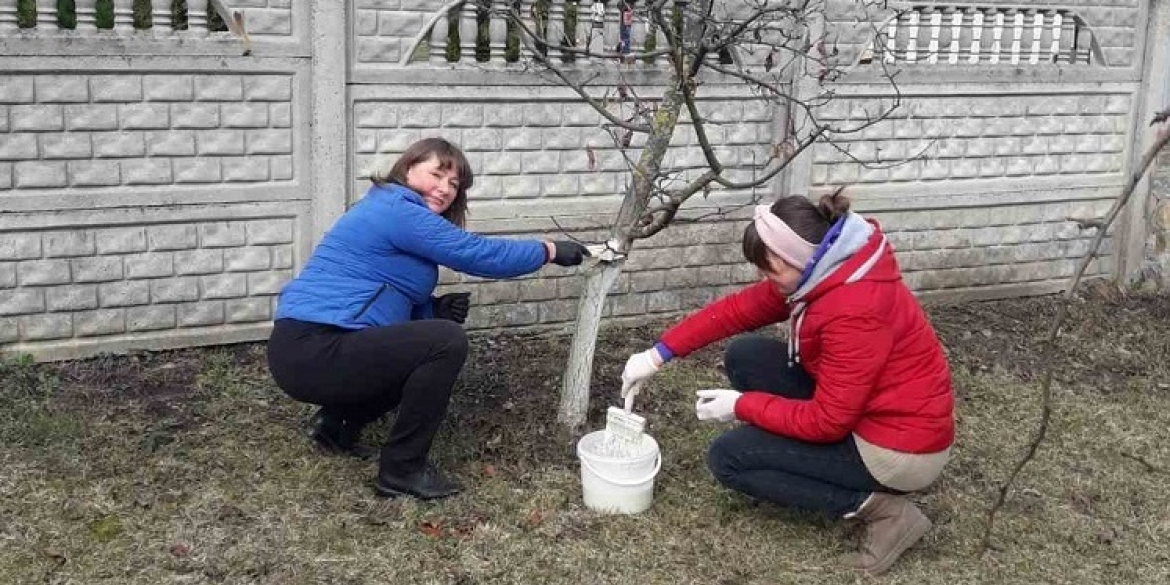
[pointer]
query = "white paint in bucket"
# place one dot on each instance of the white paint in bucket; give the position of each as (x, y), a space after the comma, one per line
(616, 478)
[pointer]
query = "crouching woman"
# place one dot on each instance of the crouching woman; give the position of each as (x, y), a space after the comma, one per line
(358, 331)
(856, 409)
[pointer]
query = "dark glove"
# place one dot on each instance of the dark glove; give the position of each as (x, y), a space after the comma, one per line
(453, 307)
(569, 253)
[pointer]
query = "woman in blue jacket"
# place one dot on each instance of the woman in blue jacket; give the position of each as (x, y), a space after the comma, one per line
(358, 332)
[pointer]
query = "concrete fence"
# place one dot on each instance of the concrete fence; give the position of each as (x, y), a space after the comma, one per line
(159, 184)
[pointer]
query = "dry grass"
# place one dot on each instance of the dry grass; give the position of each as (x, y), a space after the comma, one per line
(189, 467)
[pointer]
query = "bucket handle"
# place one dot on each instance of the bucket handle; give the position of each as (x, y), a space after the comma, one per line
(627, 482)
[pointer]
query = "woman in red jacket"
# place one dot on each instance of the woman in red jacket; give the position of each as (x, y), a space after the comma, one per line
(856, 409)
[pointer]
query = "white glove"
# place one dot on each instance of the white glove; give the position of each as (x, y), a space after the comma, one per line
(639, 368)
(716, 405)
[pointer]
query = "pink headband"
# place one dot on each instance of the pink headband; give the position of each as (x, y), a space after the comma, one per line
(780, 239)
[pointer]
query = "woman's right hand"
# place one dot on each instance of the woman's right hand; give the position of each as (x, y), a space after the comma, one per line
(639, 368)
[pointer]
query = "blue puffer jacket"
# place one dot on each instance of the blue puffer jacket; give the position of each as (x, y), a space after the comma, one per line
(378, 265)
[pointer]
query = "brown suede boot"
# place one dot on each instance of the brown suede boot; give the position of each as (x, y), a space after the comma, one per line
(892, 525)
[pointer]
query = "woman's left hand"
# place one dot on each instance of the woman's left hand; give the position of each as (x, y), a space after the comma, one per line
(717, 405)
(566, 253)
(453, 306)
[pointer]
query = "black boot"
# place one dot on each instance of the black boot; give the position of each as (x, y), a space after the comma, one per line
(334, 435)
(426, 484)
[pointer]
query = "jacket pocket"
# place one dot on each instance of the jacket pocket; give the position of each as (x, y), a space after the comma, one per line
(370, 302)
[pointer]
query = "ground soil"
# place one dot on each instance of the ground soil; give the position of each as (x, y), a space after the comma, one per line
(519, 373)
(190, 466)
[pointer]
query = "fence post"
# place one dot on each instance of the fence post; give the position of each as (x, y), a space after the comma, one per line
(556, 30)
(1153, 58)
(912, 31)
(996, 36)
(1017, 34)
(197, 16)
(439, 39)
(584, 28)
(46, 15)
(956, 17)
(123, 16)
(160, 16)
(498, 32)
(1068, 36)
(932, 46)
(798, 176)
(977, 27)
(1037, 18)
(7, 16)
(527, 17)
(86, 15)
(639, 33)
(468, 32)
(330, 176)
(595, 34)
(610, 33)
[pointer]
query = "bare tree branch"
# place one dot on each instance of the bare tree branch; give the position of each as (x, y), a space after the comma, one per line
(735, 35)
(527, 38)
(662, 215)
(540, 41)
(1150, 467)
(878, 166)
(767, 176)
(426, 30)
(654, 192)
(698, 125)
(1163, 137)
(774, 91)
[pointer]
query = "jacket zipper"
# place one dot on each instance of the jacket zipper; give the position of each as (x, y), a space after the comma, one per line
(366, 306)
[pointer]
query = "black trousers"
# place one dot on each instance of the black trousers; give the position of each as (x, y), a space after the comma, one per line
(826, 477)
(361, 375)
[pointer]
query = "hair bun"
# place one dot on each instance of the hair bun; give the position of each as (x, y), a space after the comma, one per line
(833, 206)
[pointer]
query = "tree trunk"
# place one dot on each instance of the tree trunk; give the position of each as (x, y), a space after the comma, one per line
(578, 373)
(630, 218)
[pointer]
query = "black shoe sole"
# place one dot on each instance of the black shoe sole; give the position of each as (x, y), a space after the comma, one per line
(328, 445)
(383, 491)
(388, 493)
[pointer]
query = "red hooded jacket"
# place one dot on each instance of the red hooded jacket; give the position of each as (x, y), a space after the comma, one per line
(880, 371)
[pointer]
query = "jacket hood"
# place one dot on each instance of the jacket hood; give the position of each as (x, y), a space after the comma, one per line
(857, 251)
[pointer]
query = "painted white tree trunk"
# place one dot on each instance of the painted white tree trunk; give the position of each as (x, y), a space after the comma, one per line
(579, 371)
(575, 385)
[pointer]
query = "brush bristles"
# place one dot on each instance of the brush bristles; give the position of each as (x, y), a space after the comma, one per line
(623, 425)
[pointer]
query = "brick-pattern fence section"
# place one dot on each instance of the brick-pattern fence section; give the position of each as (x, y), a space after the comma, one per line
(110, 130)
(92, 282)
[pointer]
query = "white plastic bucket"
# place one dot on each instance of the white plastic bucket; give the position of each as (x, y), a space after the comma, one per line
(618, 484)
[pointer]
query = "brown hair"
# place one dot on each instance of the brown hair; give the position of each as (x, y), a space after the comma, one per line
(450, 157)
(809, 221)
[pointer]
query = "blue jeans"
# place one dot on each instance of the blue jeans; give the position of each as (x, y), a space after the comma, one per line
(826, 477)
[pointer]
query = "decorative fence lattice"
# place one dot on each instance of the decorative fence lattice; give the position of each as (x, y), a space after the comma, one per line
(973, 34)
(114, 15)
